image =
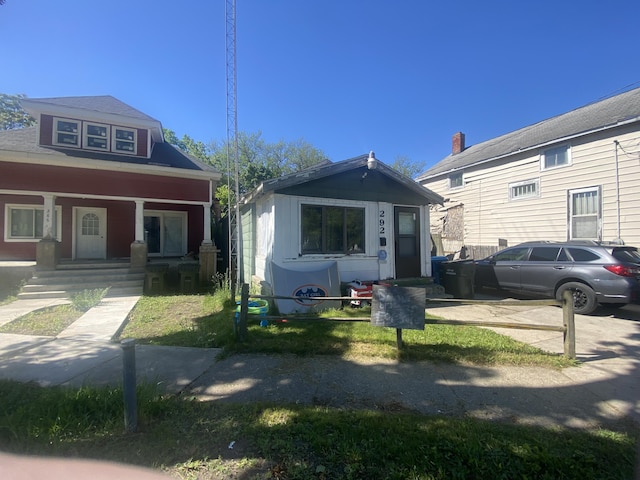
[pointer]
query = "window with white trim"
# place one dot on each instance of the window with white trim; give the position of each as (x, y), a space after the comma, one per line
(332, 229)
(585, 214)
(455, 180)
(124, 140)
(66, 132)
(25, 223)
(96, 136)
(556, 157)
(525, 189)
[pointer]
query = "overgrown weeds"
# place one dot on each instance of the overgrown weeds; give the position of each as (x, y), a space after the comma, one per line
(87, 299)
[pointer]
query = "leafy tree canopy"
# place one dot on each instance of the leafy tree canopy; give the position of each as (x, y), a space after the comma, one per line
(12, 115)
(258, 160)
(407, 167)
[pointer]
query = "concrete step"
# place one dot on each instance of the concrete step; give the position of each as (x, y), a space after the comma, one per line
(81, 272)
(96, 277)
(79, 286)
(113, 292)
(88, 265)
(72, 278)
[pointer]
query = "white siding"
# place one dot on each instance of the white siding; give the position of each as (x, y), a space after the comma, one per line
(278, 230)
(489, 214)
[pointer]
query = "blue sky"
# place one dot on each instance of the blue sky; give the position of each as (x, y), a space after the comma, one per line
(399, 77)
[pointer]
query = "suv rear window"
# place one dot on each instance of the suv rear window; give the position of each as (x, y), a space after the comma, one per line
(582, 255)
(630, 255)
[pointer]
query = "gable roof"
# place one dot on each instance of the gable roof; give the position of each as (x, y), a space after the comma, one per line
(605, 114)
(346, 180)
(24, 140)
(101, 107)
(99, 103)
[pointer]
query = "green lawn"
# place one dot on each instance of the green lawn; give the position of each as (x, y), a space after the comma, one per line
(207, 321)
(191, 439)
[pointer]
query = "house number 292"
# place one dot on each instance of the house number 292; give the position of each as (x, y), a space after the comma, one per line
(381, 223)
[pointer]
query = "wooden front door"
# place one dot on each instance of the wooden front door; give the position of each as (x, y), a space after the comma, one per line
(91, 233)
(407, 244)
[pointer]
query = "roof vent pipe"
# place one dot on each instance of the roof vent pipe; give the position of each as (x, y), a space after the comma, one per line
(457, 143)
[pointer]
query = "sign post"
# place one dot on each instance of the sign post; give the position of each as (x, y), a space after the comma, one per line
(398, 307)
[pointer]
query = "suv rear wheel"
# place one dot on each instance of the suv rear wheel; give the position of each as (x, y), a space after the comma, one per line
(584, 298)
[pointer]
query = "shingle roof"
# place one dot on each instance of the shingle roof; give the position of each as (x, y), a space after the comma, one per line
(327, 169)
(100, 103)
(163, 154)
(595, 116)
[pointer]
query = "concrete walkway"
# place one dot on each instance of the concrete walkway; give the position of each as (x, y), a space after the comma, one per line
(84, 353)
(604, 388)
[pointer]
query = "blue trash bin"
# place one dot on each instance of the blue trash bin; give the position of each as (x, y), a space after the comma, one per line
(435, 268)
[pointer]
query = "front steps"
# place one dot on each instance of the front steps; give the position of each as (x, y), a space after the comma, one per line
(72, 277)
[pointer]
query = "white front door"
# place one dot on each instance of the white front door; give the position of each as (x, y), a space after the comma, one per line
(91, 233)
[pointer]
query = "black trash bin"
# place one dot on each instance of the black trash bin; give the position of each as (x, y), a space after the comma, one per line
(457, 278)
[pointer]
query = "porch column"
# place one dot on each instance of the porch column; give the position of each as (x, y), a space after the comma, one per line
(139, 221)
(48, 249)
(207, 224)
(139, 248)
(208, 252)
(49, 221)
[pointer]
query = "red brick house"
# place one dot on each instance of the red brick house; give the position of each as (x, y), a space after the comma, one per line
(94, 179)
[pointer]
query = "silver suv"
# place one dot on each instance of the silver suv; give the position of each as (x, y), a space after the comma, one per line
(596, 272)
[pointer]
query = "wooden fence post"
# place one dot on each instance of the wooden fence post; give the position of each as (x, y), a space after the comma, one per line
(243, 331)
(569, 325)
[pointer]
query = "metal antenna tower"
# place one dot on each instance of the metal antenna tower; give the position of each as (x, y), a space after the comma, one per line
(235, 256)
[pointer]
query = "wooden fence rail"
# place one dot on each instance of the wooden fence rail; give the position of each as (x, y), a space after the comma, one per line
(567, 327)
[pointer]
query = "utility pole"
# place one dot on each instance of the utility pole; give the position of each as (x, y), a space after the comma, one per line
(235, 243)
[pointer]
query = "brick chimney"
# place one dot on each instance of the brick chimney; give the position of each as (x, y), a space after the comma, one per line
(457, 143)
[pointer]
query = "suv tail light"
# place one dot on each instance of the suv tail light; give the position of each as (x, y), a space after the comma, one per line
(623, 271)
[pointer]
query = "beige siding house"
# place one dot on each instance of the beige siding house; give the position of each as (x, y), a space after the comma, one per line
(574, 176)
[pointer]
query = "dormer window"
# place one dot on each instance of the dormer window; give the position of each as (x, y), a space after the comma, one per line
(124, 140)
(66, 132)
(96, 136)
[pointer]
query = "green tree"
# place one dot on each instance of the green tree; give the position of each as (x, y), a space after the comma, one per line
(407, 167)
(258, 160)
(188, 145)
(12, 115)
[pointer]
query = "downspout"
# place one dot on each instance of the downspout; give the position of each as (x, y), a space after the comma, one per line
(619, 238)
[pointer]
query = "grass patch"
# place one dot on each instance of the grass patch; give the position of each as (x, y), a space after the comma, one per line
(207, 321)
(191, 439)
(48, 321)
(87, 299)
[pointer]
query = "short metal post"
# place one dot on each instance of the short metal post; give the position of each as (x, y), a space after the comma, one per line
(129, 384)
(243, 331)
(399, 338)
(568, 319)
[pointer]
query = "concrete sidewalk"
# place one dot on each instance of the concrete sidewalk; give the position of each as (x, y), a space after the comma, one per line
(603, 389)
(84, 353)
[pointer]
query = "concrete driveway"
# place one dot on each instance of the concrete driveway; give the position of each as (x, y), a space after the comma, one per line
(607, 343)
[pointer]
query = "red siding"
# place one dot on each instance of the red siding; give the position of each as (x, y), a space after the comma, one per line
(120, 226)
(46, 135)
(46, 130)
(142, 142)
(17, 176)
